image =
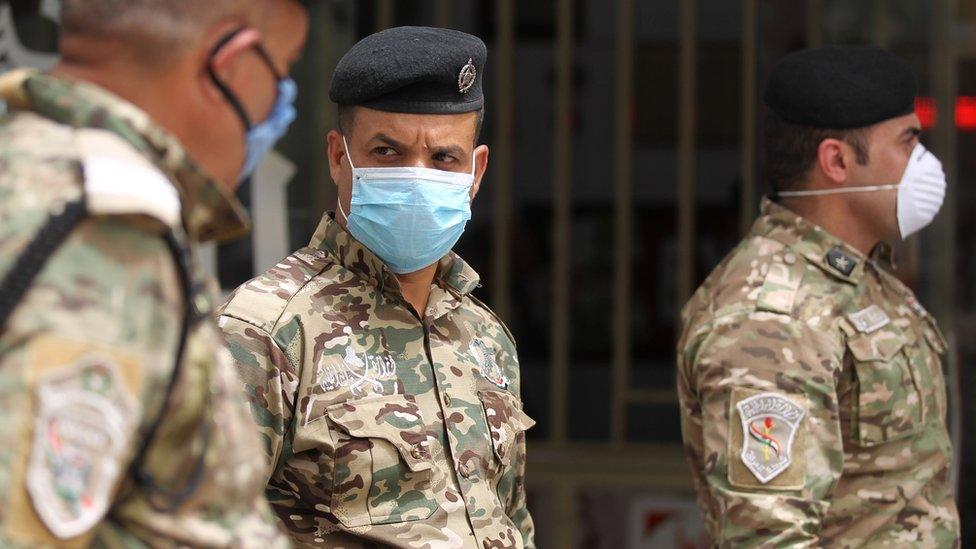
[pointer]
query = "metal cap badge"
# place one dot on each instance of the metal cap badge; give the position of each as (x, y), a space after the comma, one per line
(467, 76)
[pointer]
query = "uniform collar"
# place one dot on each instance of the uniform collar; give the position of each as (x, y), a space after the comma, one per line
(833, 255)
(210, 210)
(452, 272)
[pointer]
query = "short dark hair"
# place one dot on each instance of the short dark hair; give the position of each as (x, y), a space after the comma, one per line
(346, 116)
(154, 29)
(791, 149)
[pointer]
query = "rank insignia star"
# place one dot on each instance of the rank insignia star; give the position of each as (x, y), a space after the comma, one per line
(843, 263)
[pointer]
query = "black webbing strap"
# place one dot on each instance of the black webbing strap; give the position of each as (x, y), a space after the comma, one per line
(174, 498)
(30, 263)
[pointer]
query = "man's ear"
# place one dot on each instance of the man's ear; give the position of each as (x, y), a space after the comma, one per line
(832, 161)
(226, 61)
(336, 153)
(480, 166)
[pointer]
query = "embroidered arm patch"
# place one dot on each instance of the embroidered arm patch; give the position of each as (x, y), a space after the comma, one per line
(766, 440)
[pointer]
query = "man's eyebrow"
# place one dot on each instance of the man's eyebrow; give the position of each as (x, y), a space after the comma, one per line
(454, 150)
(913, 131)
(387, 140)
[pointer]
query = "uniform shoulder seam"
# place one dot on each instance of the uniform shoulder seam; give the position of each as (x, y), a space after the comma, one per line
(264, 310)
(481, 304)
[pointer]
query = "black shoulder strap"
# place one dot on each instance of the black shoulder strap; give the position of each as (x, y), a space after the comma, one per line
(30, 263)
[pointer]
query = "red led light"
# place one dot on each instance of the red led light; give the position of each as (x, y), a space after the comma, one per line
(965, 112)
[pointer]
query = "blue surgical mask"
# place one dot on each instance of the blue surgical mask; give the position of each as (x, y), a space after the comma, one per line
(263, 137)
(260, 138)
(409, 217)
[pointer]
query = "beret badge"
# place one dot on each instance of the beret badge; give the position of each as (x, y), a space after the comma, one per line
(467, 76)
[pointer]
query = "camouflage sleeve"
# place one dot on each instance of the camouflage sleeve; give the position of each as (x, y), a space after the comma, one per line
(270, 381)
(760, 423)
(83, 361)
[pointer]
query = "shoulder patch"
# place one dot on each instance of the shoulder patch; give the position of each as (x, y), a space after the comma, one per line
(783, 279)
(766, 440)
(84, 419)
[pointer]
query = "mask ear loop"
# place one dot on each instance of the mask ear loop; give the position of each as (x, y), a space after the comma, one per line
(345, 147)
(229, 96)
(824, 192)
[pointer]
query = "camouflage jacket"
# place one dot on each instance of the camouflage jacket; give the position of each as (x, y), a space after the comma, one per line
(88, 354)
(381, 428)
(813, 400)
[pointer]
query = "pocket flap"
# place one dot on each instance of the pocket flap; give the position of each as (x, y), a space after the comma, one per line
(881, 345)
(393, 418)
(505, 421)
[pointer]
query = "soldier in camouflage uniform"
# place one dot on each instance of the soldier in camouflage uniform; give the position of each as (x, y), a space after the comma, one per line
(812, 392)
(387, 394)
(123, 423)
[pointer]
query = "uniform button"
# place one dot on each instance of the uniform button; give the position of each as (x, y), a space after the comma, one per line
(447, 400)
(417, 452)
(202, 303)
(789, 259)
(464, 470)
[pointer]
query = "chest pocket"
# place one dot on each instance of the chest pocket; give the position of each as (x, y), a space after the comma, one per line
(507, 424)
(888, 405)
(383, 467)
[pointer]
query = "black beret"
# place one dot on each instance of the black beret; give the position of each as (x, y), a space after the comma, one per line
(841, 87)
(412, 70)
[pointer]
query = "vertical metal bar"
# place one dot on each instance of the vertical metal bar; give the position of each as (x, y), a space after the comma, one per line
(445, 14)
(561, 220)
(332, 33)
(501, 157)
(623, 214)
(687, 93)
(747, 190)
(384, 14)
(565, 505)
(815, 25)
(943, 235)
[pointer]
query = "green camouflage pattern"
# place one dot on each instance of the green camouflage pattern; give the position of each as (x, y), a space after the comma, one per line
(113, 289)
(381, 429)
(873, 459)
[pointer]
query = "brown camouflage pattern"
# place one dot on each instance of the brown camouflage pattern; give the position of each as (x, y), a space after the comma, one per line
(113, 287)
(875, 458)
(380, 428)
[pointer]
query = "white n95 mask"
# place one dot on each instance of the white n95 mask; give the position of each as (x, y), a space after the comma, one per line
(920, 193)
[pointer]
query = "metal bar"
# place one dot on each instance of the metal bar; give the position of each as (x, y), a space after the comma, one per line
(942, 237)
(501, 157)
(445, 15)
(686, 152)
(750, 39)
(384, 14)
(623, 214)
(564, 510)
(815, 25)
(561, 220)
(332, 33)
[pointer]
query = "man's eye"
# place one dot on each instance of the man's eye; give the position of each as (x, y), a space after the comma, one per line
(442, 157)
(385, 151)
